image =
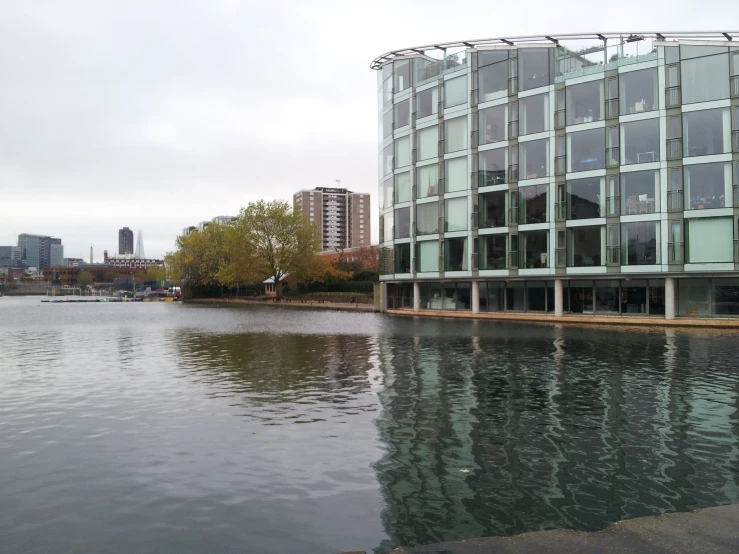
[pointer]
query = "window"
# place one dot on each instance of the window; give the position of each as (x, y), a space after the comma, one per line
(403, 187)
(427, 255)
(533, 114)
(455, 134)
(457, 177)
(386, 227)
(403, 152)
(586, 150)
(707, 186)
(428, 142)
(533, 201)
(515, 296)
(534, 157)
(455, 92)
(640, 192)
(640, 243)
(706, 132)
(710, 239)
(705, 79)
(492, 167)
(487, 57)
(492, 207)
(492, 80)
(585, 198)
(492, 124)
(386, 160)
(455, 254)
(638, 91)
(427, 102)
(402, 114)
(402, 72)
(726, 296)
(455, 214)
(387, 124)
(493, 251)
(534, 68)
(427, 180)
(534, 249)
(586, 246)
(427, 218)
(585, 102)
(640, 141)
(402, 258)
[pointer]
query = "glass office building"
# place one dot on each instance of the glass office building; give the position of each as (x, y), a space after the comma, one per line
(576, 174)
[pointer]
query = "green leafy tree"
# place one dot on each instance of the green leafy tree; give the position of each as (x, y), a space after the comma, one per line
(84, 278)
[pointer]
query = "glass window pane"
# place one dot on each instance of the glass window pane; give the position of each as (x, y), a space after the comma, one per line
(585, 198)
(493, 251)
(387, 224)
(693, 297)
(455, 254)
(634, 296)
(386, 160)
(402, 71)
(492, 124)
(402, 223)
(638, 91)
(387, 124)
(457, 177)
(705, 79)
(455, 130)
(403, 151)
(515, 295)
(455, 214)
(607, 296)
(402, 258)
(640, 141)
(581, 297)
(402, 114)
(534, 156)
(533, 114)
(389, 193)
(428, 255)
(494, 299)
(586, 150)
(533, 201)
(455, 91)
(492, 209)
(710, 239)
(672, 54)
(640, 192)
(534, 248)
(640, 243)
(427, 180)
(707, 186)
(492, 81)
(492, 167)
(428, 142)
(688, 51)
(403, 187)
(706, 132)
(486, 57)
(534, 68)
(427, 218)
(427, 102)
(585, 246)
(585, 102)
(536, 296)
(726, 296)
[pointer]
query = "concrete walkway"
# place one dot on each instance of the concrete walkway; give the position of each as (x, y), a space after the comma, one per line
(714, 530)
(293, 304)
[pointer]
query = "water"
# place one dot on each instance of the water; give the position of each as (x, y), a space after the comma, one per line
(162, 427)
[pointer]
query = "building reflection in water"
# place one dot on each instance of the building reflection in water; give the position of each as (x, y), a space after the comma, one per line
(503, 432)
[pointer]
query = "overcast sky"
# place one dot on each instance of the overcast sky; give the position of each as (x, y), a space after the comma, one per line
(159, 114)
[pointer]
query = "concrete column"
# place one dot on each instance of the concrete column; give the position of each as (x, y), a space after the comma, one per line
(475, 297)
(558, 303)
(416, 296)
(669, 298)
(383, 293)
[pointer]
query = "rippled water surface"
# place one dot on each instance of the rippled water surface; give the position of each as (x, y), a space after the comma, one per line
(191, 428)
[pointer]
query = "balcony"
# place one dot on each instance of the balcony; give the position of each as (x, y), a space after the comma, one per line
(613, 255)
(513, 129)
(734, 86)
(612, 157)
(675, 201)
(559, 119)
(675, 252)
(560, 211)
(674, 148)
(560, 165)
(513, 259)
(611, 108)
(613, 206)
(560, 257)
(672, 97)
(513, 173)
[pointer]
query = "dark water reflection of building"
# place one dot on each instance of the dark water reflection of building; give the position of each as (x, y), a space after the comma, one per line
(534, 428)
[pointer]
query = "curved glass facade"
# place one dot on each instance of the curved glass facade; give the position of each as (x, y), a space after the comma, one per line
(594, 166)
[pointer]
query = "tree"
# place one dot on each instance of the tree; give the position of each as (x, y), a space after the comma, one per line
(275, 241)
(84, 278)
(155, 273)
(109, 275)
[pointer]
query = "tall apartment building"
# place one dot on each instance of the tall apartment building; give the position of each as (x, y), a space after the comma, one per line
(37, 250)
(342, 216)
(125, 241)
(595, 173)
(11, 256)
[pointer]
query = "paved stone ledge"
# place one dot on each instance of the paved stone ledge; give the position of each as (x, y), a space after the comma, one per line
(296, 304)
(727, 323)
(712, 530)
